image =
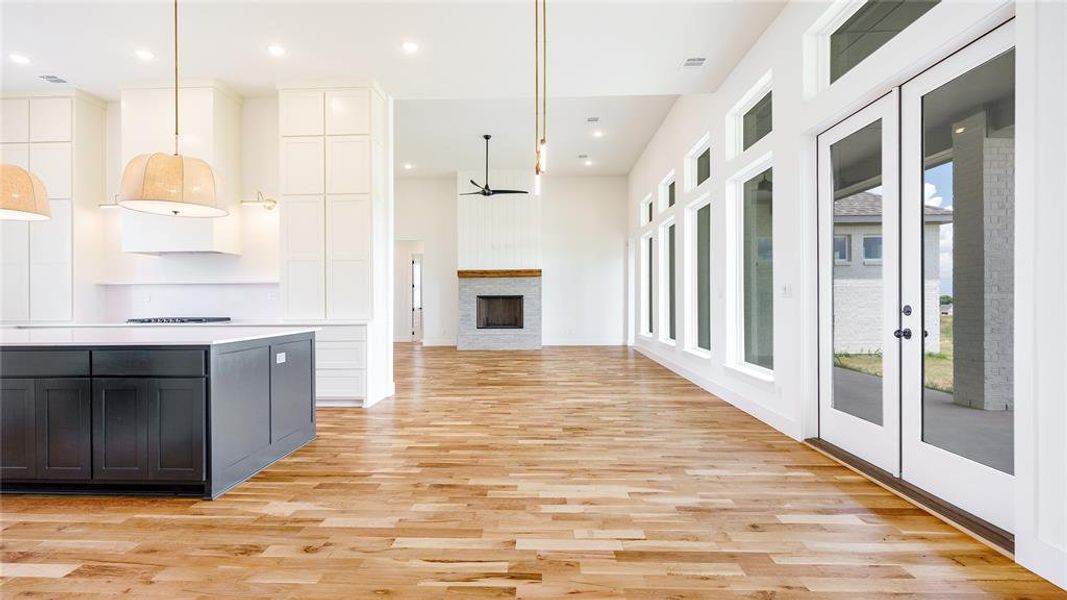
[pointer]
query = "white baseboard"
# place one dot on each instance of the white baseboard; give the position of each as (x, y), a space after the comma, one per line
(593, 341)
(775, 419)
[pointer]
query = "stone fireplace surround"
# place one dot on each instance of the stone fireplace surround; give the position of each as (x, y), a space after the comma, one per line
(506, 282)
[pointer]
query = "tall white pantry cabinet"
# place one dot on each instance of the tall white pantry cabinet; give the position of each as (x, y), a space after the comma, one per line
(60, 138)
(336, 233)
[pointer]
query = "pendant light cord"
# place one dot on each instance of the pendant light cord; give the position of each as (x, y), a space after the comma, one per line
(544, 70)
(175, 77)
(537, 86)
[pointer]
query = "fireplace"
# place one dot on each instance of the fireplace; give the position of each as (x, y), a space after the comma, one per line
(499, 312)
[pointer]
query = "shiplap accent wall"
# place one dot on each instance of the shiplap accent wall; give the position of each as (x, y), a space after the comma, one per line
(498, 232)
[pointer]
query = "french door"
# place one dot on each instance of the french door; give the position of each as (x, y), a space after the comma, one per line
(917, 280)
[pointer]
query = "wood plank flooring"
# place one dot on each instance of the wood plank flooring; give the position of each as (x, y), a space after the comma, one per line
(572, 472)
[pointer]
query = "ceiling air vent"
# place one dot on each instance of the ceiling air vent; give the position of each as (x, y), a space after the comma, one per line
(693, 62)
(593, 120)
(53, 79)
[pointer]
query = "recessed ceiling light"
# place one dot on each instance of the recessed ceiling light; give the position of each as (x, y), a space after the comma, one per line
(145, 55)
(410, 47)
(961, 129)
(598, 133)
(19, 59)
(588, 163)
(276, 50)
(408, 166)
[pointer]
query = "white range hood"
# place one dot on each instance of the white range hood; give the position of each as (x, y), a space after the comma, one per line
(210, 130)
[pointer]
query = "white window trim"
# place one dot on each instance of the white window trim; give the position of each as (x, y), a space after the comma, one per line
(661, 190)
(863, 248)
(646, 328)
(663, 293)
(643, 216)
(734, 275)
(848, 246)
(816, 41)
(736, 116)
(691, 162)
(689, 280)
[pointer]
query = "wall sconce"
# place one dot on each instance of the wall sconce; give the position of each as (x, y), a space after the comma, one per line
(261, 200)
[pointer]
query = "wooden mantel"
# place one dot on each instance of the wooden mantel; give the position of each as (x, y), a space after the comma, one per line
(468, 274)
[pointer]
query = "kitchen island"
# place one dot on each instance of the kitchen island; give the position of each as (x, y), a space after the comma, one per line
(176, 410)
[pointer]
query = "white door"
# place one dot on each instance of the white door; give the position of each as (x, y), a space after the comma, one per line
(957, 274)
(859, 379)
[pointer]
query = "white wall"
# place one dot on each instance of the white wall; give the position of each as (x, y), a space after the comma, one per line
(250, 277)
(499, 232)
(581, 241)
(789, 401)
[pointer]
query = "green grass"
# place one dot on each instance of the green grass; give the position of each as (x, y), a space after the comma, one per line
(937, 367)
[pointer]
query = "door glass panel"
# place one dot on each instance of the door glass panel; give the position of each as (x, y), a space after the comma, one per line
(968, 258)
(858, 285)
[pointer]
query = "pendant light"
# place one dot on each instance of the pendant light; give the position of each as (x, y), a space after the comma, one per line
(171, 184)
(22, 195)
(540, 92)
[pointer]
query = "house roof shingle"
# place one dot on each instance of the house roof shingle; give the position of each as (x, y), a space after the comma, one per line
(866, 206)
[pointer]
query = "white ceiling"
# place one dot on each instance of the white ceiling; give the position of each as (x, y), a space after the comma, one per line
(440, 137)
(617, 60)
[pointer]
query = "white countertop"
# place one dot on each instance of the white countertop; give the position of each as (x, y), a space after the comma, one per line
(140, 336)
(234, 323)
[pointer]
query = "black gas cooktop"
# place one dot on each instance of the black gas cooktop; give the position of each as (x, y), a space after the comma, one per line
(179, 320)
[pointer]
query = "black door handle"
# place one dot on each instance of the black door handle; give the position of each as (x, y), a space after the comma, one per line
(902, 333)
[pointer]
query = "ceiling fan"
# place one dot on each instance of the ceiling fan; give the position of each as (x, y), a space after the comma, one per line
(485, 190)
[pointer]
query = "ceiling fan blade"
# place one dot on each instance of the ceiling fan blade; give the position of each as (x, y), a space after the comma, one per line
(477, 185)
(509, 192)
(474, 194)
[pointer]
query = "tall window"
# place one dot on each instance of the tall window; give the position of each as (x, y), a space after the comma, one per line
(672, 320)
(704, 166)
(650, 287)
(671, 194)
(756, 123)
(874, 24)
(758, 270)
(703, 277)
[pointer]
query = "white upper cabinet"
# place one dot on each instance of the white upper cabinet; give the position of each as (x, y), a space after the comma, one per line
(50, 265)
(303, 166)
(15, 154)
(52, 164)
(302, 257)
(348, 165)
(14, 271)
(348, 112)
(14, 120)
(301, 113)
(348, 254)
(51, 119)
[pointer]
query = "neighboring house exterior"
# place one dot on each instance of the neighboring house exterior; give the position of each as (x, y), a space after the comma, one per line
(858, 315)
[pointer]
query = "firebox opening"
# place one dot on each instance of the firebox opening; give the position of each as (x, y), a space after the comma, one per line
(499, 312)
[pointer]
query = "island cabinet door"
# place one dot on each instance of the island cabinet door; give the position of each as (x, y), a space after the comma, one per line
(176, 429)
(64, 429)
(120, 428)
(18, 430)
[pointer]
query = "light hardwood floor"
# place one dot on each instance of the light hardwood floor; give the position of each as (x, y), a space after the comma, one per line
(578, 472)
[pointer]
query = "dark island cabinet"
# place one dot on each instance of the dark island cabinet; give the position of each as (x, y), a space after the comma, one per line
(187, 419)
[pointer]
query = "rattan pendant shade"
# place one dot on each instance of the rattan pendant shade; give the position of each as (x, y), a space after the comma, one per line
(22, 195)
(170, 184)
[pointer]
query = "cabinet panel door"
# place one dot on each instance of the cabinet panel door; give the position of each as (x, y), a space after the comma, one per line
(14, 271)
(348, 112)
(15, 154)
(300, 113)
(64, 429)
(348, 232)
(292, 407)
(52, 163)
(302, 257)
(18, 431)
(348, 165)
(50, 119)
(176, 429)
(120, 428)
(50, 265)
(303, 165)
(14, 120)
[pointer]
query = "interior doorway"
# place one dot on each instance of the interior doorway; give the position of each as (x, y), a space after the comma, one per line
(408, 299)
(917, 248)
